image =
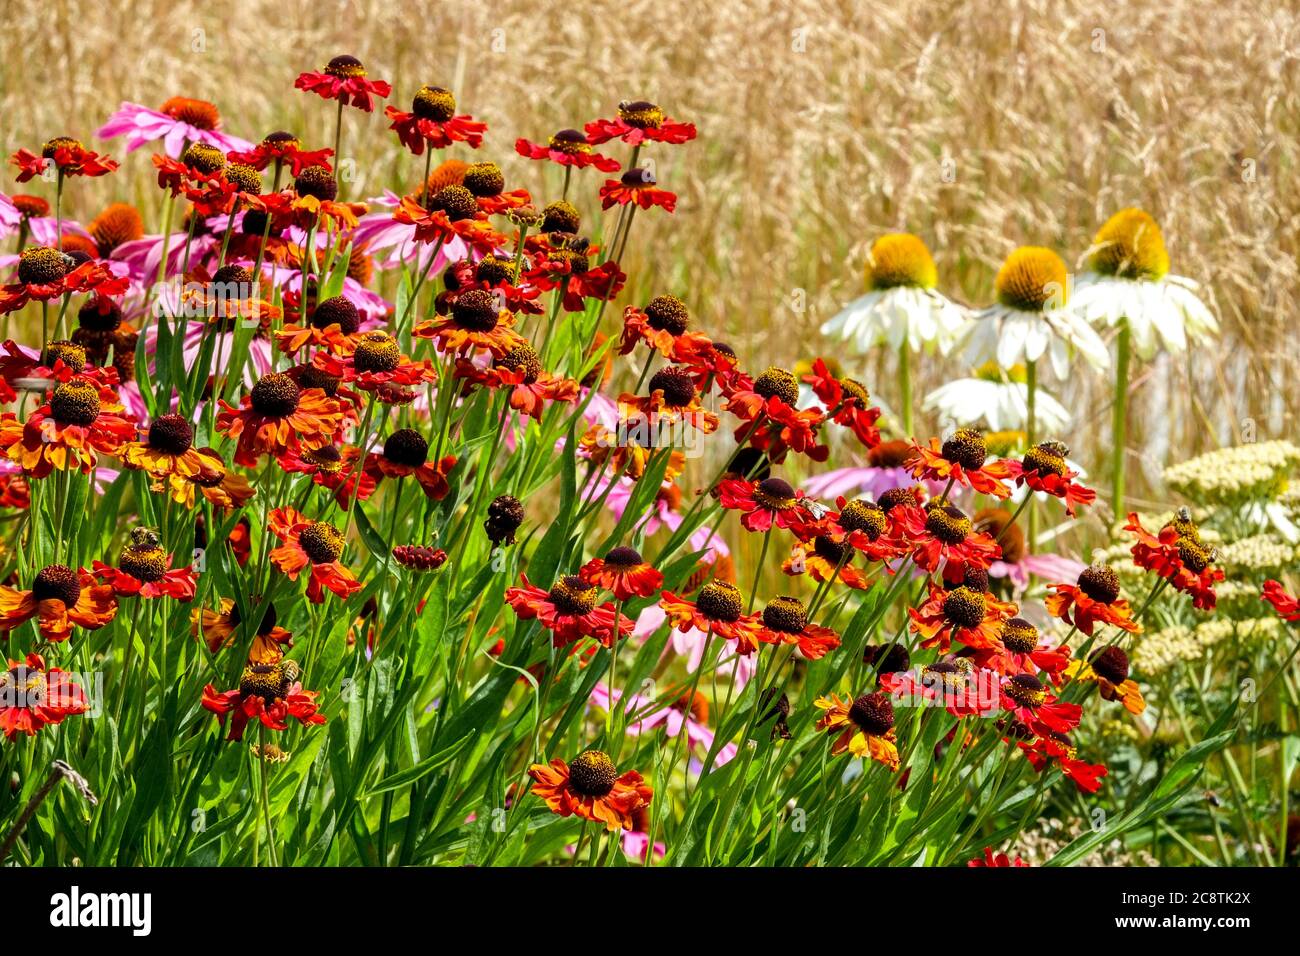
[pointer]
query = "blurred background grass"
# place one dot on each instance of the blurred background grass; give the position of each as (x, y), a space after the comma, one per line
(979, 125)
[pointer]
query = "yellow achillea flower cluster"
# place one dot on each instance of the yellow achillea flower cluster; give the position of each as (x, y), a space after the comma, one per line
(1236, 475)
(1161, 650)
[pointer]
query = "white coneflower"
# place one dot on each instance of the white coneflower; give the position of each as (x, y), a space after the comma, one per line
(1127, 282)
(1033, 318)
(999, 398)
(1127, 285)
(900, 309)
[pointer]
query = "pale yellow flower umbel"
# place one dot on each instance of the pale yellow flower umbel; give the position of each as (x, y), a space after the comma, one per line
(1033, 317)
(901, 306)
(1127, 279)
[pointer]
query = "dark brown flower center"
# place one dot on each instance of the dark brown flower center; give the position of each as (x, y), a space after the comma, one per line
(624, 557)
(275, 395)
(779, 383)
(99, 314)
(887, 658)
(313, 376)
(456, 201)
(1100, 582)
(376, 352)
(476, 310)
(561, 216)
(317, 182)
(42, 265)
(406, 447)
(891, 499)
(571, 141)
(720, 601)
(786, 615)
(964, 607)
(336, 310)
(71, 354)
(1047, 458)
(1026, 690)
(322, 542)
(641, 114)
(346, 67)
(75, 403)
(484, 179)
(434, 103)
(246, 178)
(864, 516)
(676, 384)
(966, 447)
(146, 562)
(171, 434)
(57, 582)
(996, 522)
(667, 313)
(948, 524)
(52, 146)
(775, 494)
(203, 158)
(873, 713)
(1112, 664)
(1019, 636)
(572, 595)
(592, 773)
(833, 551)
(522, 358)
(495, 270)
(267, 681)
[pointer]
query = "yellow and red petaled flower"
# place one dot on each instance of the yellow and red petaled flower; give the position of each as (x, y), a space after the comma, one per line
(717, 609)
(623, 454)
(624, 572)
(433, 122)
(943, 533)
(1109, 668)
(1094, 599)
(864, 727)
(281, 147)
(672, 400)
(269, 693)
(972, 617)
(168, 449)
(66, 155)
(33, 696)
(46, 273)
(830, 559)
(314, 545)
(767, 503)
(406, 453)
(80, 421)
(376, 363)
(848, 403)
(1018, 651)
(638, 122)
(476, 323)
(785, 621)
(1029, 701)
(277, 415)
(664, 325)
(458, 218)
(1043, 469)
(333, 468)
(569, 610)
(145, 570)
(867, 527)
(591, 788)
(215, 482)
(961, 459)
(219, 627)
(344, 79)
(568, 147)
(1178, 556)
(520, 371)
(639, 187)
(59, 599)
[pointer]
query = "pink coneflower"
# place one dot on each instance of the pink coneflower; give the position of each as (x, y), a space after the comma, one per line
(180, 122)
(673, 718)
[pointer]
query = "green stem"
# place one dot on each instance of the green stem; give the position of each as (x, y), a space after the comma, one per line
(905, 386)
(1119, 428)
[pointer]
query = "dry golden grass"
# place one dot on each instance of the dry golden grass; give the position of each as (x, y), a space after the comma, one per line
(821, 125)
